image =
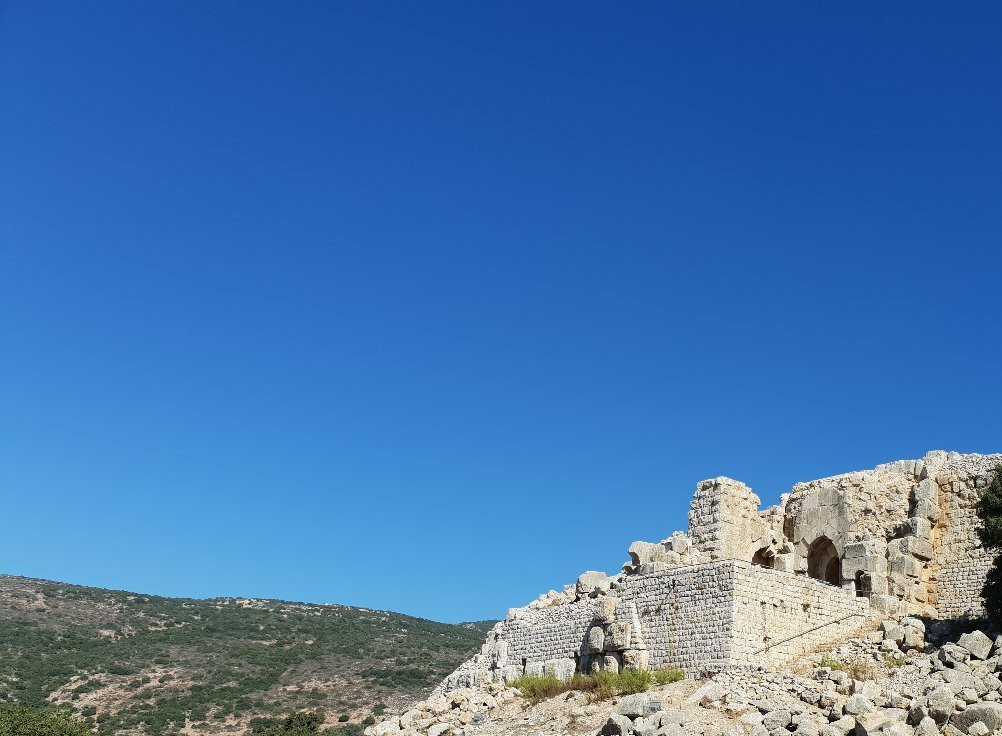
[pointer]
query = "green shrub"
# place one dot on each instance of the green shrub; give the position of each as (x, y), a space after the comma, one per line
(990, 512)
(600, 686)
(537, 687)
(666, 677)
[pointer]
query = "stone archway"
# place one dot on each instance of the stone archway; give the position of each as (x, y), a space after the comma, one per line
(823, 562)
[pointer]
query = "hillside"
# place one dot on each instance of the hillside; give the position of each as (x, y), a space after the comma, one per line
(146, 664)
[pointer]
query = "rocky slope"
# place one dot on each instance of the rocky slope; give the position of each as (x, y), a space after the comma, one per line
(889, 683)
(136, 663)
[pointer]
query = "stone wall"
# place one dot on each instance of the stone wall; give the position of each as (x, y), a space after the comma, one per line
(959, 563)
(684, 614)
(777, 615)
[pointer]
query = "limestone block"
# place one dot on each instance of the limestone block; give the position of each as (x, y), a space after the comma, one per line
(784, 562)
(988, 713)
(512, 672)
(856, 705)
(590, 581)
(595, 641)
(926, 509)
(893, 631)
(606, 611)
(617, 636)
(926, 490)
(906, 565)
(617, 725)
(534, 669)
(979, 645)
(916, 547)
(777, 719)
(678, 542)
(920, 527)
(951, 655)
(882, 722)
(644, 552)
(637, 705)
(610, 663)
(940, 704)
(562, 669)
(914, 638)
(635, 659)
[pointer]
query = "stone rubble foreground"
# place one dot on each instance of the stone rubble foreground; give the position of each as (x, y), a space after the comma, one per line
(884, 683)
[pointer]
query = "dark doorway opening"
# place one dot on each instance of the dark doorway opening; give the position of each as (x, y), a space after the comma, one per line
(823, 562)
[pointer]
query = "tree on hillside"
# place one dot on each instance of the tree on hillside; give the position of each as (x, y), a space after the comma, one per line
(990, 512)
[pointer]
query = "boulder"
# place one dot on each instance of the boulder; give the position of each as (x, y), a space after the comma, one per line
(637, 705)
(844, 725)
(893, 631)
(617, 725)
(857, 705)
(977, 643)
(927, 727)
(777, 720)
(940, 704)
(988, 713)
(880, 723)
(951, 655)
(386, 728)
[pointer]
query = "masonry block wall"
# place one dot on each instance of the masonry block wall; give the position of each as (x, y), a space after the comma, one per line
(959, 562)
(777, 616)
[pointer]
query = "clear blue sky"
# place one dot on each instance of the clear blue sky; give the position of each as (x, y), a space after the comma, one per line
(432, 306)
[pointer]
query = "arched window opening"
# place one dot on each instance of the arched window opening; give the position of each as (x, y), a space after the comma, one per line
(762, 558)
(823, 562)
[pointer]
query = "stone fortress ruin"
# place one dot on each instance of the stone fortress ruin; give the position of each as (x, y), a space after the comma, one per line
(747, 586)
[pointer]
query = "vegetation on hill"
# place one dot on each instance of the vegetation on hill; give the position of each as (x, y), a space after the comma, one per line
(990, 512)
(18, 721)
(152, 665)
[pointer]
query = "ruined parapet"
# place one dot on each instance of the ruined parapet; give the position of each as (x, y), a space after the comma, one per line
(724, 520)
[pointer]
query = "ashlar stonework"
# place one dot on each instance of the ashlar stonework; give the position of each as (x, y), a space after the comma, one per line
(750, 586)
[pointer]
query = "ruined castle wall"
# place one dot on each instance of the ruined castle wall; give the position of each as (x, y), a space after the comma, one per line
(685, 614)
(960, 563)
(779, 615)
(550, 633)
(698, 616)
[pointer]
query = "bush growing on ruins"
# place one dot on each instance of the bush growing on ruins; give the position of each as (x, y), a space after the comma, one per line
(666, 677)
(600, 686)
(539, 687)
(990, 512)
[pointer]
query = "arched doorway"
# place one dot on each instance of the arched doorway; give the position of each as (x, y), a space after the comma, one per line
(762, 558)
(823, 562)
